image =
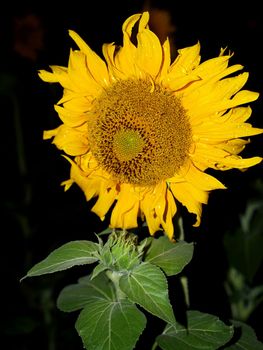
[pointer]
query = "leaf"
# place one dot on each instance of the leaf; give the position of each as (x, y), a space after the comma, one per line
(170, 257)
(68, 255)
(98, 269)
(77, 296)
(247, 241)
(146, 285)
(247, 339)
(110, 325)
(204, 332)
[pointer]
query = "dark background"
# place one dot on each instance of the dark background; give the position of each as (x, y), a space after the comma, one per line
(37, 216)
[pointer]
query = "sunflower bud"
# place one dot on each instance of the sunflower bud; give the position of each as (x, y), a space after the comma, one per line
(120, 252)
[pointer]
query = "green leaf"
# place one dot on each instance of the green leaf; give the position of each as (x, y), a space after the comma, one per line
(247, 245)
(77, 296)
(204, 332)
(110, 325)
(147, 286)
(68, 255)
(98, 269)
(247, 241)
(170, 257)
(247, 339)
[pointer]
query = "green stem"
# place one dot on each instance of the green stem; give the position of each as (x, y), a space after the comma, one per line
(154, 346)
(184, 282)
(115, 276)
(184, 279)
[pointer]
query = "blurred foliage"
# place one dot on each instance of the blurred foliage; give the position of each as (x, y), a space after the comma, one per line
(245, 256)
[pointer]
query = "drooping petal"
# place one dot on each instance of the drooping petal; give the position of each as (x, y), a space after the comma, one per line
(109, 51)
(125, 212)
(95, 64)
(58, 75)
(212, 67)
(203, 181)
(166, 59)
(167, 218)
(107, 196)
(217, 158)
(186, 61)
(234, 146)
(72, 141)
(90, 185)
(190, 197)
(208, 106)
(148, 209)
(71, 118)
(80, 76)
(215, 131)
(181, 73)
(48, 134)
(124, 59)
(149, 53)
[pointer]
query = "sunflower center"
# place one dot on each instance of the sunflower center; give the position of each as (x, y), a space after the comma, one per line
(127, 144)
(138, 133)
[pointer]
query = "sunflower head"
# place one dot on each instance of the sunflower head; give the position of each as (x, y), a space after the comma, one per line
(141, 132)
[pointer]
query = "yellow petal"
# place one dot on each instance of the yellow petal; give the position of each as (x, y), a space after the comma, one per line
(89, 165)
(202, 180)
(72, 141)
(70, 117)
(78, 104)
(147, 207)
(89, 184)
(159, 208)
(200, 107)
(234, 146)
(109, 51)
(49, 77)
(187, 60)
(48, 134)
(195, 81)
(212, 66)
(167, 218)
(149, 55)
(216, 158)
(124, 59)
(191, 198)
(180, 84)
(181, 73)
(166, 59)
(96, 65)
(240, 114)
(125, 211)
(219, 91)
(77, 175)
(58, 75)
(129, 24)
(67, 184)
(107, 196)
(214, 132)
(80, 76)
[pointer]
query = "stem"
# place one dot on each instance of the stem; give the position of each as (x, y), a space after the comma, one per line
(115, 276)
(184, 279)
(184, 282)
(154, 346)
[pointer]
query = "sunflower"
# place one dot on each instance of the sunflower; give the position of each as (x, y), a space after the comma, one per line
(140, 131)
